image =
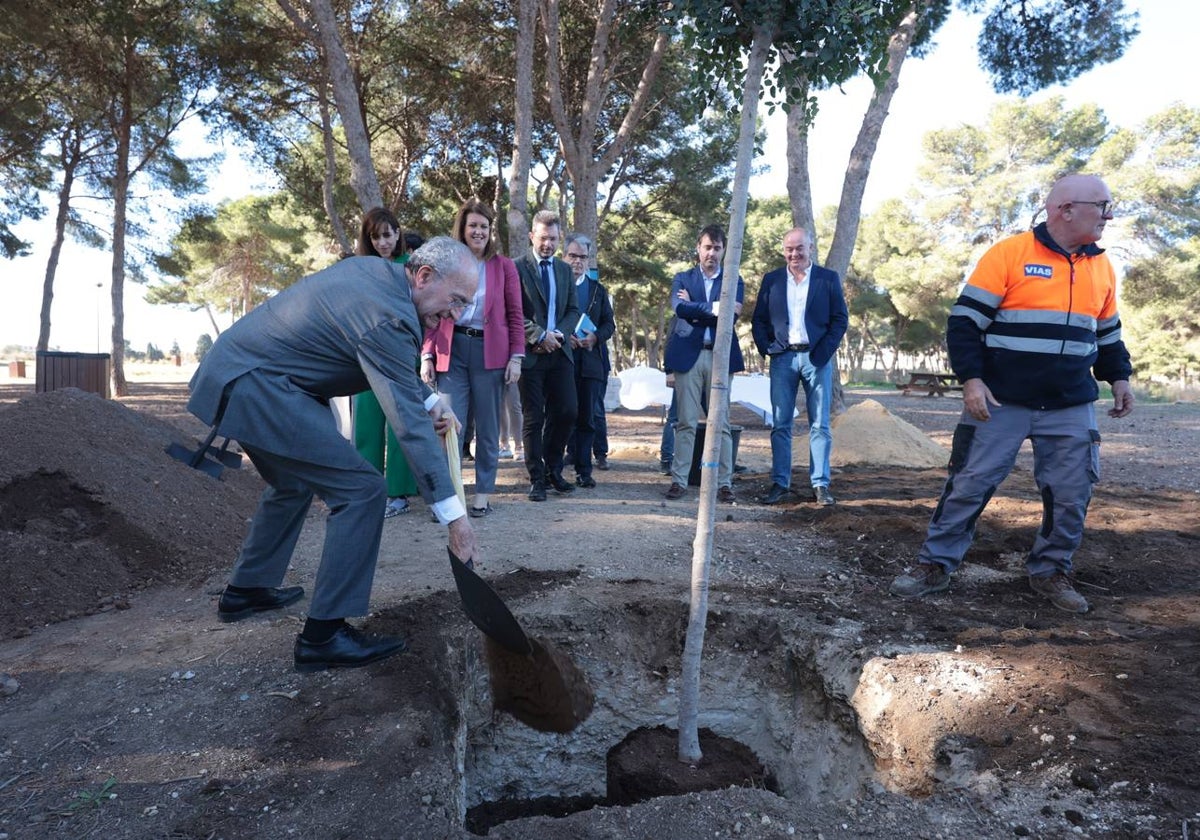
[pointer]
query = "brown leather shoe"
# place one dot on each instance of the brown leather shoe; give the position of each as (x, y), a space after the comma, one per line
(725, 494)
(676, 491)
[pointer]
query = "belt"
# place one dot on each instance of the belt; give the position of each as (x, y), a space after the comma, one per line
(796, 348)
(469, 331)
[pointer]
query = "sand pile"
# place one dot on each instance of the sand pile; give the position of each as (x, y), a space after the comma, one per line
(91, 508)
(867, 433)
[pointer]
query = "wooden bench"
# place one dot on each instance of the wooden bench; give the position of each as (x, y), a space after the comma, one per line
(930, 384)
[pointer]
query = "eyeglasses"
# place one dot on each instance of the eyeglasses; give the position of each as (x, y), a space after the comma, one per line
(1106, 207)
(571, 256)
(460, 302)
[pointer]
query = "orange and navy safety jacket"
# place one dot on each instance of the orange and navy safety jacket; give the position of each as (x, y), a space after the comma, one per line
(1037, 324)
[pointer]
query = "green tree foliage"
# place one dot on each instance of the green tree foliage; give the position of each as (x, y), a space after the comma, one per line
(233, 259)
(27, 123)
(203, 344)
(900, 256)
(980, 183)
(1027, 45)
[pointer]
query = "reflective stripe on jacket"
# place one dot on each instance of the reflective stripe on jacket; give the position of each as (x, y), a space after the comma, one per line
(1035, 323)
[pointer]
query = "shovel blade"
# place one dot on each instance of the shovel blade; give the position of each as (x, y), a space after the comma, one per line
(233, 460)
(195, 460)
(486, 610)
(545, 691)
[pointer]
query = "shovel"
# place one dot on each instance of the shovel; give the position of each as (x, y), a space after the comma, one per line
(531, 679)
(203, 458)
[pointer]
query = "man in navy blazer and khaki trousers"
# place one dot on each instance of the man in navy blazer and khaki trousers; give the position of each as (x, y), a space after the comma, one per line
(695, 298)
(799, 320)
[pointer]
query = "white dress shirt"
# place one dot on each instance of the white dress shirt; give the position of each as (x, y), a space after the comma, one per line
(797, 302)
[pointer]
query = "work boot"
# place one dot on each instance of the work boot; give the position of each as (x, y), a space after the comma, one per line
(921, 579)
(1057, 589)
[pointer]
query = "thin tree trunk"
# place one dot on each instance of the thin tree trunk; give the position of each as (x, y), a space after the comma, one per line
(799, 186)
(518, 179)
(345, 95)
(121, 176)
(718, 404)
(577, 138)
(70, 144)
(859, 166)
(328, 181)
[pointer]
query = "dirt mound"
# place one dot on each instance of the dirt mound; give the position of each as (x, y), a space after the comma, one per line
(867, 433)
(92, 508)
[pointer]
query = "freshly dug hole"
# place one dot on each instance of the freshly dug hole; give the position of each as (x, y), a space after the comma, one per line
(771, 714)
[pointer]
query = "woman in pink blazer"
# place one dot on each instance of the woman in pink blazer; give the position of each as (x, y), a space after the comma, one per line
(473, 358)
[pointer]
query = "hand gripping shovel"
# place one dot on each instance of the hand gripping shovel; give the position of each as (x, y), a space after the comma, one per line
(532, 680)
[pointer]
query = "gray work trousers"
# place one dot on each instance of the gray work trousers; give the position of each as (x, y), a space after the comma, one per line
(1066, 465)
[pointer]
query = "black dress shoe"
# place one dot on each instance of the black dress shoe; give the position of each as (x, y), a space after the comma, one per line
(235, 606)
(776, 495)
(349, 648)
(823, 497)
(537, 491)
(560, 484)
(585, 481)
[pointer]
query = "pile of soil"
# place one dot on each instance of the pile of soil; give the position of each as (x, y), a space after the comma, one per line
(93, 509)
(870, 434)
(979, 712)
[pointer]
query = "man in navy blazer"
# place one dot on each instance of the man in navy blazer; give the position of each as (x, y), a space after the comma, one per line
(799, 320)
(547, 382)
(695, 298)
(267, 382)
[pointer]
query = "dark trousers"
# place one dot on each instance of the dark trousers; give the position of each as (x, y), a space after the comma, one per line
(600, 421)
(550, 404)
(582, 438)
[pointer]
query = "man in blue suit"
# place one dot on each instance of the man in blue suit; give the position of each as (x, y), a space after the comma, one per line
(267, 383)
(695, 298)
(799, 320)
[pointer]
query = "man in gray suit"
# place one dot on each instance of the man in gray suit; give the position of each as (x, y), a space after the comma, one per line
(267, 383)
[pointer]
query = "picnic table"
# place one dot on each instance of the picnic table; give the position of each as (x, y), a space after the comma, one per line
(931, 384)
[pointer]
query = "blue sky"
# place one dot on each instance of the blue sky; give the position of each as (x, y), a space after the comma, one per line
(947, 89)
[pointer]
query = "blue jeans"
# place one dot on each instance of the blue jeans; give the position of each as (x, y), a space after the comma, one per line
(790, 370)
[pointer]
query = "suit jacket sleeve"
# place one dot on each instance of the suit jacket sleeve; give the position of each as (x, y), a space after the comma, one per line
(513, 309)
(606, 323)
(760, 321)
(568, 303)
(839, 320)
(387, 355)
(531, 307)
(696, 312)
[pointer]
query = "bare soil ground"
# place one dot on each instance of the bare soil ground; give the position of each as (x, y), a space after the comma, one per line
(128, 711)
